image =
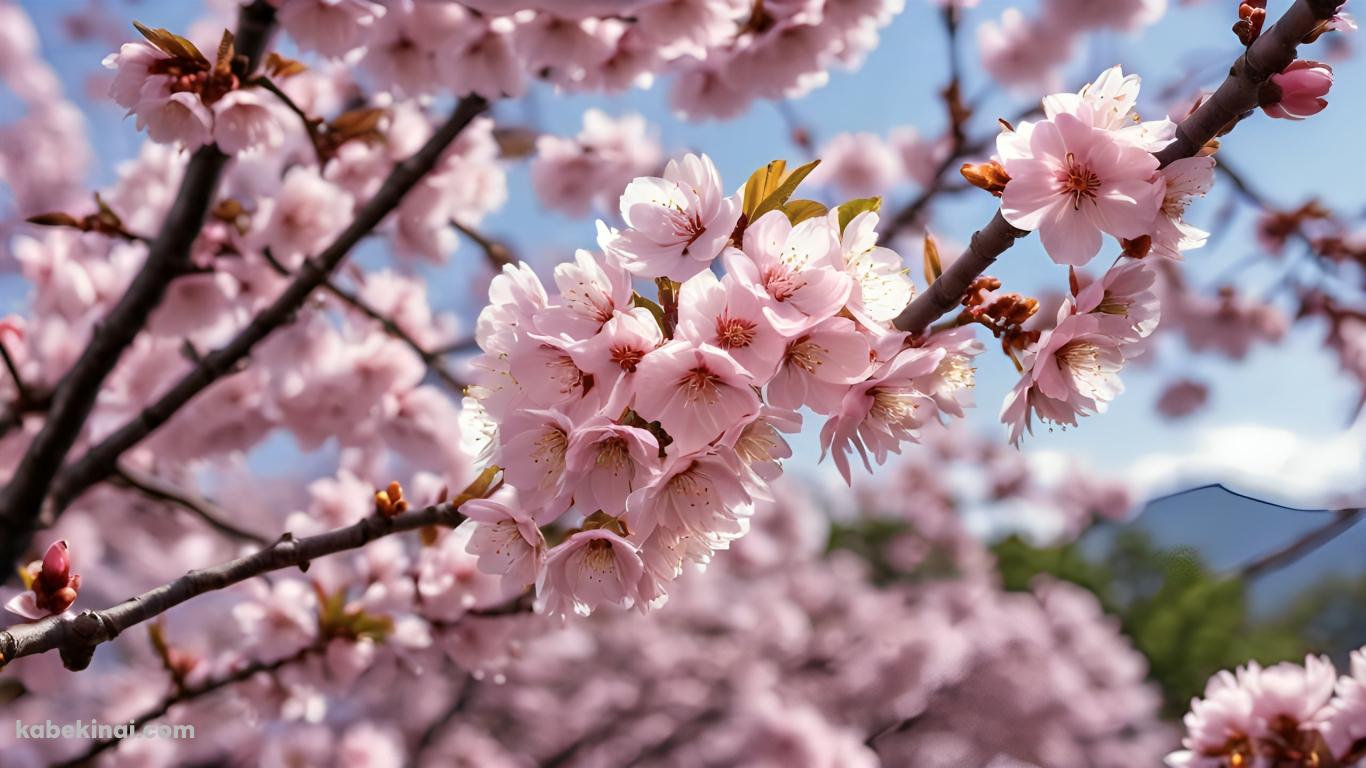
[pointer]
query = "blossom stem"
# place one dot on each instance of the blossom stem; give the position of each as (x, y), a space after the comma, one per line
(159, 490)
(99, 461)
(1272, 52)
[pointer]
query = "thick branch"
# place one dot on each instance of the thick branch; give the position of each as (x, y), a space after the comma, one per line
(155, 488)
(1269, 55)
(77, 637)
(167, 256)
(100, 460)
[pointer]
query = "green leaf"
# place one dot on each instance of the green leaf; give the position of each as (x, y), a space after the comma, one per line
(853, 208)
(800, 210)
(784, 190)
(760, 185)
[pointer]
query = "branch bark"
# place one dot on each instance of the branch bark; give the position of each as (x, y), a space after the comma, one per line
(157, 489)
(100, 460)
(167, 256)
(76, 638)
(1235, 97)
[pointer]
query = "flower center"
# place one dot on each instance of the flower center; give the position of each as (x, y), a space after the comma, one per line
(734, 332)
(893, 406)
(806, 355)
(1078, 181)
(781, 282)
(700, 384)
(626, 357)
(613, 455)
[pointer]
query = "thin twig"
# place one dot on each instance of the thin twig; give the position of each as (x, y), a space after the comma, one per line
(76, 638)
(100, 460)
(1235, 97)
(155, 488)
(430, 358)
(497, 254)
(183, 695)
(74, 396)
(310, 124)
(1292, 552)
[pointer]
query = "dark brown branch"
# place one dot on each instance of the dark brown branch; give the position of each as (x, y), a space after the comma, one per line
(77, 637)
(353, 300)
(74, 396)
(184, 695)
(100, 460)
(1238, 95)
(155, 488)
(1342, 521)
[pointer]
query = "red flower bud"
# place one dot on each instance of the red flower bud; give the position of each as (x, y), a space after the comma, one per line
(1297, 92)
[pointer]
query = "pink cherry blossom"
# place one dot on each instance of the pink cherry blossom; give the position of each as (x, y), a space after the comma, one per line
(592, 291)
(1182, 398)
(330, 27)
(1181, 181)
(177, 118)
(1074, 370)
(606, 462)
(306, 213)
(131, 72)
(881, 287)
(1299, 90)
(796, 269)
(242, 121)
(729, 316)
(1071, 182)
(695, 392)
(1123, 299)
(482, 61)
(614, 355)
(590, 569)
(858, 165)
(881, 413)
(819, 365)
(506, 541)
(698, 494)
(676, 225)
(534, 455)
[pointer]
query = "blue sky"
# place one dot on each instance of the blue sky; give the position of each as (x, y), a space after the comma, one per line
(1275, 409)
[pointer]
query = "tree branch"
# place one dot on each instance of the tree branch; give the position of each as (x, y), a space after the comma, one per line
(76, 638)
(155, 488)
(74, 396)
(183, 695)
(1292, 552)
(430, 358)
(100, 460)
(1269, 55)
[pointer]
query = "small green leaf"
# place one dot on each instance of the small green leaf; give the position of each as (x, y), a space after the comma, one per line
(784, 191)
(760, 185)
(800, 210)
(851, 209)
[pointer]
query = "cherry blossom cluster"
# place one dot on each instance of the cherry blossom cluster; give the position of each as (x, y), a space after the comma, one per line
(782, 654)
(1030, 52)
(1278, 715)
(181, 97)
(590, 170)
(661, 423)
(723, 54)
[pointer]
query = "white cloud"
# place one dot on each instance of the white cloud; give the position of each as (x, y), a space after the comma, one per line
(1267, 462)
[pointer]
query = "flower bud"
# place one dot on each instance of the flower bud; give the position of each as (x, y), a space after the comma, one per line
(1297, 92)
(56, 568)
(989, 176)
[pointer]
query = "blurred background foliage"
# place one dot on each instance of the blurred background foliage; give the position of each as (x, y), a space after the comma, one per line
(1188, 619)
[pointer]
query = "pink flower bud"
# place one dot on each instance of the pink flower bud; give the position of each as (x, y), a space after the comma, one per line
(1298, 92)
(56, 568)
